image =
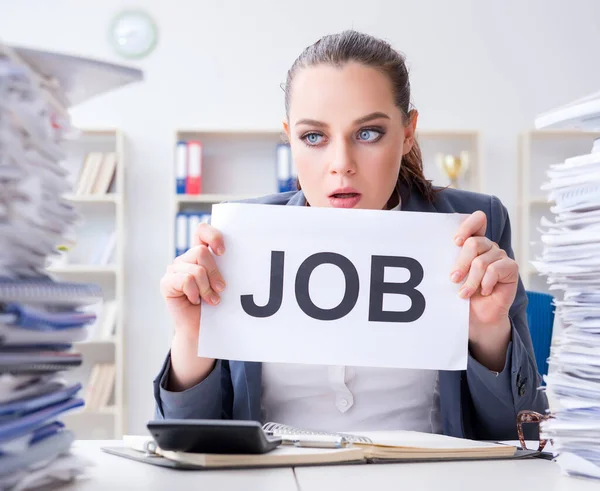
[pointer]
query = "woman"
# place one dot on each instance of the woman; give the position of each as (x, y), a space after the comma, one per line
(352, 135)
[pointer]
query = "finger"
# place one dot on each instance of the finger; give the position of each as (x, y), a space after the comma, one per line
(206, 234)
(474, 246)
(180, 284)
(478, 269)
(200, 275)
(504, 270)
(475, 224)
(202, 256)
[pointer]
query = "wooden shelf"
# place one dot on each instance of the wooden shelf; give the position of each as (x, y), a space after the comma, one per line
(540, 200)
(96, 342)
(83, 269)
(563, 133)
(105, 411)
(451, 134)
(208, 198)
(100, 198)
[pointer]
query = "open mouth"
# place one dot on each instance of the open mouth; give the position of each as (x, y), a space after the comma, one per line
(344, 198)
(344, 195)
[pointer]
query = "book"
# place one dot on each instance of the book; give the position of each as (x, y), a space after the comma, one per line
(402, 444)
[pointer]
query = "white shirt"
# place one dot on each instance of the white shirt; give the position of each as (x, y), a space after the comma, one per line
(340, 398)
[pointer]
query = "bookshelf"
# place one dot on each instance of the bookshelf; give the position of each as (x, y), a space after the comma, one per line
(240, 164)
(97, 255)
(538, 149)
(452, 142)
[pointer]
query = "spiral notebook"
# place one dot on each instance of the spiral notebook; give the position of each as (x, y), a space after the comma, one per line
(373, 447)
(399, 445)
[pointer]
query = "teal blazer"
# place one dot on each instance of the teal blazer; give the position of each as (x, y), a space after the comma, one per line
(475, 403)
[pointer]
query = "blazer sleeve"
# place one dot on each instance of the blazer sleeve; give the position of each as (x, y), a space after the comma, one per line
(498, 397)
(202, 401)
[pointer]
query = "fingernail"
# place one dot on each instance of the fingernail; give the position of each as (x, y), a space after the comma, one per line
(214, 299)
(463, 292)
(197, 301)
(458, 241)
(455, 277)
(220, 250)
(219, 286)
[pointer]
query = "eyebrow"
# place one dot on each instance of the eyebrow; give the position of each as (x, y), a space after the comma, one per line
(364, 119)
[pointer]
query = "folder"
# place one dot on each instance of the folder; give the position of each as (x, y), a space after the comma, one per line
(34, 403)
(194, 168)
(194, 220)
(181, 152)
(283, 166)
(181, 233)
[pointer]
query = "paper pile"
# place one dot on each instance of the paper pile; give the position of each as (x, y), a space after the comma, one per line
(40, 318)
(571, 261)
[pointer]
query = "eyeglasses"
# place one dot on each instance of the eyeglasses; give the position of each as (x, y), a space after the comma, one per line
(524, 417)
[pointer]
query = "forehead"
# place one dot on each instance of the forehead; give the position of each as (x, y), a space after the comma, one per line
(325, 92)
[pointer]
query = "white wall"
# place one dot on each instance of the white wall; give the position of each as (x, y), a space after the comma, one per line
(478, 65)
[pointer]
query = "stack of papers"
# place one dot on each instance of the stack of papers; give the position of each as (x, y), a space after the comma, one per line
(40, 318)
(571, 262)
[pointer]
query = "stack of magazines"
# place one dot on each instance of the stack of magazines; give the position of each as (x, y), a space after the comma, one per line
(571, 262)
(40, 317)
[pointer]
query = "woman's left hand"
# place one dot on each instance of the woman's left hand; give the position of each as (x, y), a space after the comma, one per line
(491, 283)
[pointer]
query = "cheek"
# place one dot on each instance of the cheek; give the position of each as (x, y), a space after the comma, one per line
(381, 161)
(310, 163)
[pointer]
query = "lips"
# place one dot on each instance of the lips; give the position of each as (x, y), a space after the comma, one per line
(344, 193)
(344, 198)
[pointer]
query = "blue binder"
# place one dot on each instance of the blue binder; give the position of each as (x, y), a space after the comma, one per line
(283, 167)
(180, 166)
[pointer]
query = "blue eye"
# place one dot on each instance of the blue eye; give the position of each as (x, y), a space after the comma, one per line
(312, 138)
(369, 135)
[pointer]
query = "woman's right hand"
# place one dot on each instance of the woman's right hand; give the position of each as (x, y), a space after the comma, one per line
(191, 279)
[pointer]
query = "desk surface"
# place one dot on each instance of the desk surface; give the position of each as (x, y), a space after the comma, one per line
(498, 475)
(113, 473)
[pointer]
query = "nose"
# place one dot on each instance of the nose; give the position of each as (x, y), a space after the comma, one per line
(342, 159)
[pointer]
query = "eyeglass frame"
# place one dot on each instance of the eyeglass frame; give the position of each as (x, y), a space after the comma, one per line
(527, 416)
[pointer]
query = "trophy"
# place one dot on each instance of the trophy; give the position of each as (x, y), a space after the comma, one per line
(453, 166)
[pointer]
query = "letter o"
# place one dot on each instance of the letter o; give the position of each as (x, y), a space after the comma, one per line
(350, 294)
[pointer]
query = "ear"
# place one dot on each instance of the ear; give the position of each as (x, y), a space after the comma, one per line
(410, 131)
(286, 129)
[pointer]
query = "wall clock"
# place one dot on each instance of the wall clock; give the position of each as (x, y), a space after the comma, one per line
(133, 34)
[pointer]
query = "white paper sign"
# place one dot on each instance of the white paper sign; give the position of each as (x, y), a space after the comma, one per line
(337, 287)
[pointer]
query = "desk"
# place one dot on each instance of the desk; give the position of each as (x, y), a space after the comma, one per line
(499, 475)
(112, 473)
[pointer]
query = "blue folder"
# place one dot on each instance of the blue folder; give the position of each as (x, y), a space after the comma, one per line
(30, 317)
(30, 404)
(22, 426)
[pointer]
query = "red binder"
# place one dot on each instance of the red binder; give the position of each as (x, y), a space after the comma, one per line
(193, 182)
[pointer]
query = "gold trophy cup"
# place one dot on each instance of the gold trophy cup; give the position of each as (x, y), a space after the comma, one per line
(453, 166)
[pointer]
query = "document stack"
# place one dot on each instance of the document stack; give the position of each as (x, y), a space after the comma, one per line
(571, 262)
(40, 318)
